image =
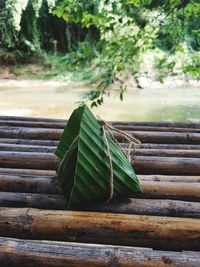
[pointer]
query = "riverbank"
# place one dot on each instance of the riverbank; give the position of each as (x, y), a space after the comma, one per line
(47, 74)
(145, 83)
(7, 83)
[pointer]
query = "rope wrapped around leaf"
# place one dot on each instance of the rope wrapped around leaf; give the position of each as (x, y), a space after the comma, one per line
(93, 167)
(133, 142)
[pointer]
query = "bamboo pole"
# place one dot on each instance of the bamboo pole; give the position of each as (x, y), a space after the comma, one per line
(41, 201)
(30, 133)
(138, 152)
(32, 181)
(17, 252)
(31, 142)
(29, 148)
(171, 208)
(119, 229)
(154, 124)
(161, 207)
(185, 191)
(19, 118)
(15, 181)
(29, 184)
(61, 125)
(166, 165)
(162, 137)
(166, 153)
(157, 128)
(36, 124)
(141, 164)
(151, 189)
(167, 146)
(158, 124)
(45, 161)
(144, 136)
(27, 172)
(170, 178)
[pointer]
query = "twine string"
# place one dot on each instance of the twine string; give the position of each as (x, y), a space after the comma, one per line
(133, 142)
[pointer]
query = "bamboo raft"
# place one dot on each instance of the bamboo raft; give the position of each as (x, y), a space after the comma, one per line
(160, 227)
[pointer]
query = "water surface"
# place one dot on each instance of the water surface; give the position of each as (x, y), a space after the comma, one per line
(58, 101)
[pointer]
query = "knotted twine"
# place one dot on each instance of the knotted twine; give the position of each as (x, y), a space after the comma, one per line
(132, 142)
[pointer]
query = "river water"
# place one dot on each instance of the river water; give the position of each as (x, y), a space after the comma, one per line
(53, 100)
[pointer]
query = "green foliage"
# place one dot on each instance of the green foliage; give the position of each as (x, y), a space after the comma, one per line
(127, 29)
(105, 40)
(83, 55)
(192, 66)
(21, 28)
(165, 67)
(8, 33)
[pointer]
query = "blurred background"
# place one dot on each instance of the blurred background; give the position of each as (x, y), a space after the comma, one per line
(129, 59)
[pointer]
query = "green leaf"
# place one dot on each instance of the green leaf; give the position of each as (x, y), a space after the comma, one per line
(70, 133)
(84, 171)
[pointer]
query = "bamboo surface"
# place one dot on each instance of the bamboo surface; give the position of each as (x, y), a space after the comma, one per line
(143, 136)
(136, 126)
(17, 252)
(141, 164)
(166, 216)
(139, 152)
(27, 172)
(161, 207)
(151, 189)
(19, 141)
(158, 124)
(14, 176)
(33, 142)
(106, 228)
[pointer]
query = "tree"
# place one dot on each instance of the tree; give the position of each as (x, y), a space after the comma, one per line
(128, 28)
(20, 24)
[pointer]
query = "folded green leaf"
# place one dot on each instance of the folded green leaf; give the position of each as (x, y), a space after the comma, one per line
(84, 171)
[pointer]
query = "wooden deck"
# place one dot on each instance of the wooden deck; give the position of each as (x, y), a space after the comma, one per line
(160, 227)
